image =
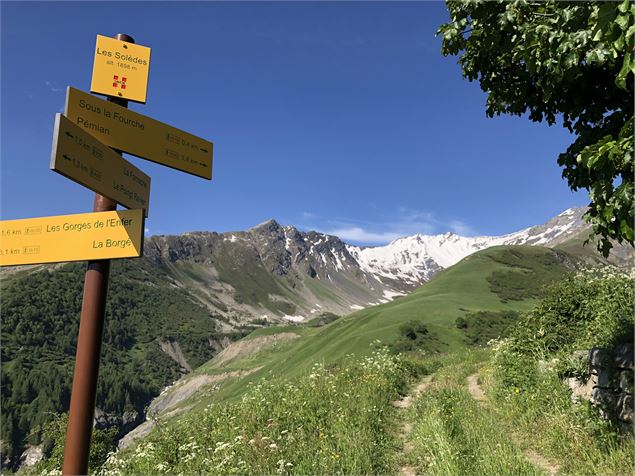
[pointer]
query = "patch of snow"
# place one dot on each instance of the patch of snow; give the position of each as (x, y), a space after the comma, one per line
(389, 294)
(338, 263)
(568, 212)
(356, 307)
(231, 239)
(293, 318)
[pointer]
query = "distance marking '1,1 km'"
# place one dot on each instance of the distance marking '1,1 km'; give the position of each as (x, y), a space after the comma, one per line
(79, 156)
(120, 69)
(139, 135)
(86, 236)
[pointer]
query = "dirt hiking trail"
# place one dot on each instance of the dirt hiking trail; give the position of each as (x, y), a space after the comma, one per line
(534, 457)
(404, 404)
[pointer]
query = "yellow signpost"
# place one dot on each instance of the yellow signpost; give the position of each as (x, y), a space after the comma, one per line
(83, 144)
(139, 135)
(86, 236)
(82, 158)
(120, 69)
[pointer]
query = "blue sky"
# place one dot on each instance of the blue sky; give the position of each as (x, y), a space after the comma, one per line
(340, 117)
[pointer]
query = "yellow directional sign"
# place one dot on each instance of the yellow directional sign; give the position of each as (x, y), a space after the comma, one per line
(139, 135)
(87, 236)
(120, 69)
(82, 158)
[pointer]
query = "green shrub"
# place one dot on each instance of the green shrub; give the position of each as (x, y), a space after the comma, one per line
(54, 439)
(593, 308)
(322, 320)
(460, 323)
(589, 309)
(414, 336)
(482, 326)
(520, 282)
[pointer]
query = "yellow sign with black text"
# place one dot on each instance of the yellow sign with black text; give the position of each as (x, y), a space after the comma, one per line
(120, 69)
(86, 236)
(139, 135)
(80, 157)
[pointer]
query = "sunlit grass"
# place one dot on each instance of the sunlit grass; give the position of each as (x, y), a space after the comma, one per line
(335, 420)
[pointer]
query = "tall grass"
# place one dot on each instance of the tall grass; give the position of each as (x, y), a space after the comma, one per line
(454, 436)
(543, 417)
(336, 420)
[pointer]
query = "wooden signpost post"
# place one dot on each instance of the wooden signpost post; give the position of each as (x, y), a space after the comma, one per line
(83, 143)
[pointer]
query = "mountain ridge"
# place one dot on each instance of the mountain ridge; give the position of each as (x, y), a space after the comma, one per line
(294, 275)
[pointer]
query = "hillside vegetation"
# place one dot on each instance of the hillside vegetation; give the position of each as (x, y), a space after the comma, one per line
(494, 411)
(453, 293)
(480, 298)
(42, 310)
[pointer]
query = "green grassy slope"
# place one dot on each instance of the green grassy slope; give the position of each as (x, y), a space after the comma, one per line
(460, 289)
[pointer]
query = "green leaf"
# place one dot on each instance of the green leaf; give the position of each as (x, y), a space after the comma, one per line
(598, 35)
(618, 44)
(622, 21)
(624, 6)
(626, 229)
(593, 160)
(620, 80)
(606, 14)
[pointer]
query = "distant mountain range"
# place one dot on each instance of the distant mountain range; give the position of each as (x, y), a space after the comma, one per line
(275, 273)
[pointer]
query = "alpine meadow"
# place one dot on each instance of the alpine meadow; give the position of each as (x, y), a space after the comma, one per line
(447, 287)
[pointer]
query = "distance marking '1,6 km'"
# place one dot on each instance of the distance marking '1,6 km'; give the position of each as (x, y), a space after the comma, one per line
(79, 156)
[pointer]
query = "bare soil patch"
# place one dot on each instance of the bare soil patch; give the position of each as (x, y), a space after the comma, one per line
(474, 388)
(246, 347)
(406, 429)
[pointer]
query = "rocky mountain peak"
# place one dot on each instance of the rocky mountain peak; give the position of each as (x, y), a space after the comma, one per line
(269, 226)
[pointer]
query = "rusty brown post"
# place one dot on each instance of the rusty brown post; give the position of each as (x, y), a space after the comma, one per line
(91, 329)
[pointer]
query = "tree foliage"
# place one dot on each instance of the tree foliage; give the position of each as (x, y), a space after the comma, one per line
(40, 320)
(568, 61)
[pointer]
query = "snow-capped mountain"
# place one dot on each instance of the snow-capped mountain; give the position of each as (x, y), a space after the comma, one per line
(417, 258)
